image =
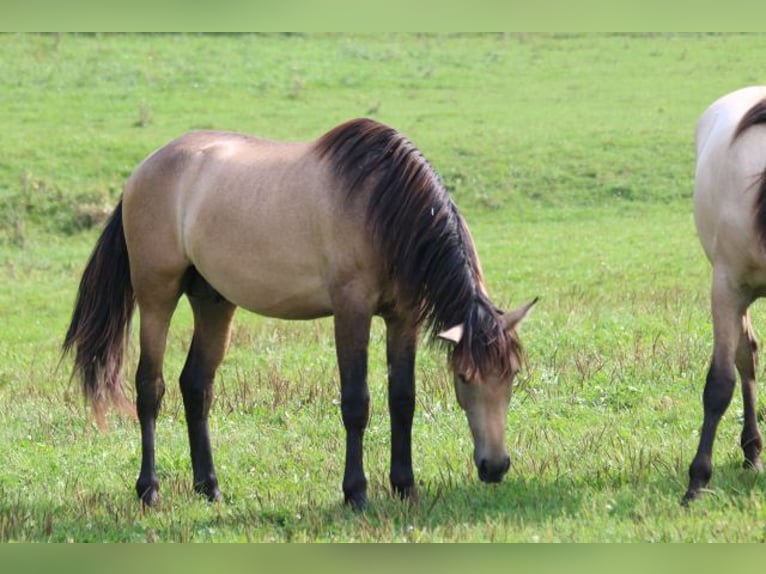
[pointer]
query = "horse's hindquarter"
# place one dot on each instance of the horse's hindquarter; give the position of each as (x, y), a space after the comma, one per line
(262, 224)
(725, 189)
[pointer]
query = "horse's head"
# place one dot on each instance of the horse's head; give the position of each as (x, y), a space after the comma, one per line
(484, 393)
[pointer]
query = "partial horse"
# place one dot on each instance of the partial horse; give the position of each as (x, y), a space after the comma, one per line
(354, 224)
(730, 215)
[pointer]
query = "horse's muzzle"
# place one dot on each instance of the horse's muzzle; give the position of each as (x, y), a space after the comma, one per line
(493, 471)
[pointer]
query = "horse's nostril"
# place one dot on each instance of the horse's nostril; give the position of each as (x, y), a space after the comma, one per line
(489, 472)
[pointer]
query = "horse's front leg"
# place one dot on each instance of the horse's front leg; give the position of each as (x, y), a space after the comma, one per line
(729, 306)
(400, 353)
(352, 335)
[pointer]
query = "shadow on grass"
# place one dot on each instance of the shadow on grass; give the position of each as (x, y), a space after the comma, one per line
(445, 509)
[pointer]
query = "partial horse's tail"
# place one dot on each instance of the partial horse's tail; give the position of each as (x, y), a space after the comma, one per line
(756, 115)
(98, 331)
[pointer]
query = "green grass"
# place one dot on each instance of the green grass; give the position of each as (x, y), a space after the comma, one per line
(571, 157)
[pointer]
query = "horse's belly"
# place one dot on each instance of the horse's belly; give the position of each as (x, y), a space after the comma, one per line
(274, 290)
(286, 303)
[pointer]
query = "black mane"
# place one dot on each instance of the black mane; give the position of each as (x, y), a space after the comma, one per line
(424, 238)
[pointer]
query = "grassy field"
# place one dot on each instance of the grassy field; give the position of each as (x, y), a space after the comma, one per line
(570, 156)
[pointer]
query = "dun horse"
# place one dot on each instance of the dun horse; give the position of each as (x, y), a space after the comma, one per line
(353, 225)
(730, 214)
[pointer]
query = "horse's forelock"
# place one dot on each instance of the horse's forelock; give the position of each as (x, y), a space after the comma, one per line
(486, 348)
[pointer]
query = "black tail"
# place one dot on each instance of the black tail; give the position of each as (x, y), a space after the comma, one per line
(101, 320)
(756, 116)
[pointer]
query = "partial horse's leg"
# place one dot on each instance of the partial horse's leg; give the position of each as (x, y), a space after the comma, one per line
(212, 327)
(155, 313)
(352, 336)
(729, 307)
(747, 365)
(400, 353)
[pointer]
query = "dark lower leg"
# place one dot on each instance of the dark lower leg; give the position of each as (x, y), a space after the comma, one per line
(747, 365)
(197, 391)
(149, 389)
(401, 405)
(352, 331)
(156, 302)
(751, 441)
(729, 305)
(212, 323)
(719, 388)
(355, 408)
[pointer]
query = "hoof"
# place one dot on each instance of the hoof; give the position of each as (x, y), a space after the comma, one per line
(755, 465)
(405, 492)
(148, 495)
(209, 491)
(690, 496)
(357, 501)
(694, 494)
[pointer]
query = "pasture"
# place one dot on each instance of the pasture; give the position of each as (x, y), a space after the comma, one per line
(571, 158)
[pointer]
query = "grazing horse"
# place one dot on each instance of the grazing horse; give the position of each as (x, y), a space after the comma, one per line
(730, 215)
(354, 224)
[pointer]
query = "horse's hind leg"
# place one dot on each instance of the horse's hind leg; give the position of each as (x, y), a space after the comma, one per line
(729, 306)
(212, 325)
(747, 365)
(156, 308)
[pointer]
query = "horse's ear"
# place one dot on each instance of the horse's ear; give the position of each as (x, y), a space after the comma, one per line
(453, 334)
(512, 318)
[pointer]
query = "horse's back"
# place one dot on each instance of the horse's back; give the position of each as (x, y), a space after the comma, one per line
(726, 165)
(258, 219)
